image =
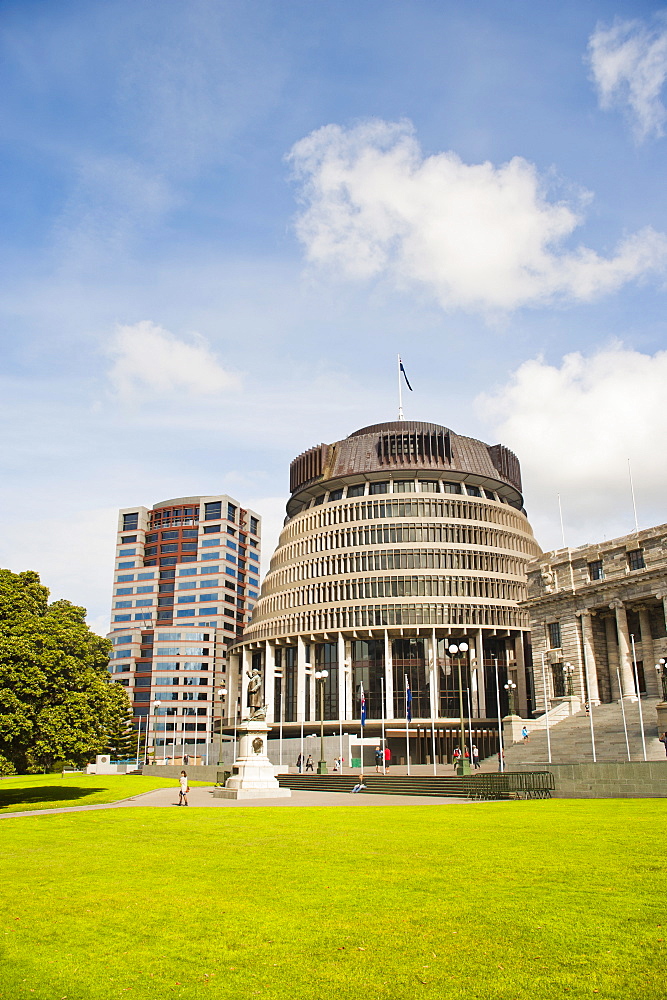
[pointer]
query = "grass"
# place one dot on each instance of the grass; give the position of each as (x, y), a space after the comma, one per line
(51, 791)
(505, 900)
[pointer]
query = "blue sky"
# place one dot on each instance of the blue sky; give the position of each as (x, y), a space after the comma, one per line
(222, 221)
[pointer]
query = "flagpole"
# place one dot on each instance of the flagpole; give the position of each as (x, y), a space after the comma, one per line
(546, 707)
(588, 691)
(384, 763)
(433, 699)
(625, 724)
(361, 748)
(400, 389)
(407, 722)
(501, 759)
(639, 697)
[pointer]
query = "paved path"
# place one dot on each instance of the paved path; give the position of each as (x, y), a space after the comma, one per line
(203, 797)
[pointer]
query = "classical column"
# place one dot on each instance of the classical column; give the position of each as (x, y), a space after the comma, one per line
(432, 674)
(624, 658)
(590, 666)
(648, 654)
(246, 666)
(349, 680)
(300, 681)
(269, 680)
(612, 656)
(388, 677)
(661, 595)
(342, 691)
(234, 668)
(520, 675)
(481, 678)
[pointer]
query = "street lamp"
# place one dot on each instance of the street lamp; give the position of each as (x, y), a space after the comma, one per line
(510, 687)
(320, 677)
(661, 667)
(568, 670)
(221, 694)
(457, 653)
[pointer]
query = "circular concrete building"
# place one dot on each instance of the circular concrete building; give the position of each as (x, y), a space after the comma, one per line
(399, 541)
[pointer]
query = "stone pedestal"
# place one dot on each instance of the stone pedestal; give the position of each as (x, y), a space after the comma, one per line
(574, 703)
(661, 710)
(512, 726)
(252, 774)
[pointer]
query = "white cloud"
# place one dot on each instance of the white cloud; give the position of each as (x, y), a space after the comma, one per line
(73, 554)
(478, 237)
(150, 360)
(574, 427)
(629, 65)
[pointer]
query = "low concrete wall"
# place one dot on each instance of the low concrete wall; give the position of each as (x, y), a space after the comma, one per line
(634, 780)
(201, 772)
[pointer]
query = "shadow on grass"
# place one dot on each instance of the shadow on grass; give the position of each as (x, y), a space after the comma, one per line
(44, 793)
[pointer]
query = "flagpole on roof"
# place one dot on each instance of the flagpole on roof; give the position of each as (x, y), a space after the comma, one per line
(400, 389)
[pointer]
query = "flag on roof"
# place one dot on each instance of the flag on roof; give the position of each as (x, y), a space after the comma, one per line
(400, 365)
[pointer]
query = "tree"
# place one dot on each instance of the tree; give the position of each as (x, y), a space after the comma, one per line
(57, 702)
(122, 739)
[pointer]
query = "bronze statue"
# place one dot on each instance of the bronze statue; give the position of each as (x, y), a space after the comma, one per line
(257, 710)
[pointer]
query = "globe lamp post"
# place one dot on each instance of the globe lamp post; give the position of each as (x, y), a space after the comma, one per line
(458, 653)
(510, 687)
(568, 671)
(320, 677)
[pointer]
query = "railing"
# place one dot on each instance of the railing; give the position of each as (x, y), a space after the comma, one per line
(511, 784)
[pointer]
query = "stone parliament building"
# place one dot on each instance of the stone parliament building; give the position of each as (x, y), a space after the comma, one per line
(601, 609)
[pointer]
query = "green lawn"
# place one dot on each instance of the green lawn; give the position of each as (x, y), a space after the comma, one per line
(524, 900)
(51, 791)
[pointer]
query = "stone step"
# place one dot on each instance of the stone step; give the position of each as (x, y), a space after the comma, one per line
(571, 739)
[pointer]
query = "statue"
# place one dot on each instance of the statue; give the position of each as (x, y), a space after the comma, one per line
(257, 710)
(547, 579)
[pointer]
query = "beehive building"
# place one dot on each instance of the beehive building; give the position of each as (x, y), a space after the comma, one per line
(399, 540)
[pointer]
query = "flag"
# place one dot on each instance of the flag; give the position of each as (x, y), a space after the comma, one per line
(401, 368)
(363, 706)
(408, 700)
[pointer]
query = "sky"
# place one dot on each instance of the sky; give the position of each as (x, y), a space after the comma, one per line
(222, 221)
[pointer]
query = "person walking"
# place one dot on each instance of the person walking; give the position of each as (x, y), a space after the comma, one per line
(387, 759)
(663, 740)
(379, 758)
(336, 766)
(299, 763)
(457, 756)
(475, 756)
(183, 789)
(309, 763)
(524, 734)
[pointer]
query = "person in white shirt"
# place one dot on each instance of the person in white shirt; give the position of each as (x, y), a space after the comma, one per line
(184, 789)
